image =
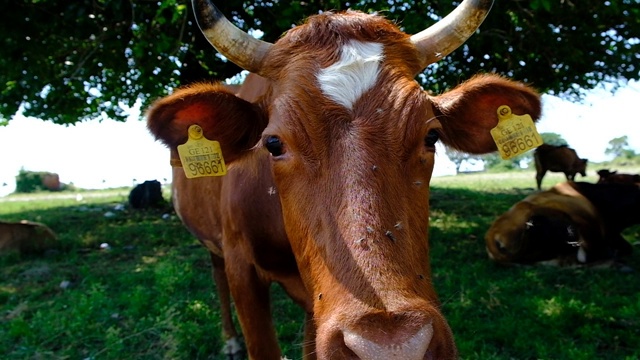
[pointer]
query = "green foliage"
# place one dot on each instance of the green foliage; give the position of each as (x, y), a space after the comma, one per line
(30, 181)
(553, 139)
(623, 162)
(95, 59)
(619, 148)
(494, 163)
(458, 157)
(150, 296)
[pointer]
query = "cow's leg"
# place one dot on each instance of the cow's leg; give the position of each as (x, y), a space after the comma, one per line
(539, 176)
(570, 176)
(232, 347)
(296, 290)
(251, 297)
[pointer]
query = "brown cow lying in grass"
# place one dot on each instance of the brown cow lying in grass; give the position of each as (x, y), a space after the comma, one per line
(572, 223)
(25, 237)
(607, 176)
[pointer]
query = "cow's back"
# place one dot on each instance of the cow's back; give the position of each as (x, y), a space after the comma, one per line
(556, 158)
(26, 237)
(617, 203)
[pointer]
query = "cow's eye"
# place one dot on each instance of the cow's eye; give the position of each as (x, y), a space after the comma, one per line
(432, 138)
(274, 145)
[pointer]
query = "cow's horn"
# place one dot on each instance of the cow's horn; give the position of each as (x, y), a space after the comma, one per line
(443, 37)
(236, 45)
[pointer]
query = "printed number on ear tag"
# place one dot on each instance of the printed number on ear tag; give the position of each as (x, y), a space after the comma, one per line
(201, 156)
(515, 134)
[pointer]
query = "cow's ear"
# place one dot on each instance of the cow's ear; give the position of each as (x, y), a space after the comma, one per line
(468, 112)
(234, 122)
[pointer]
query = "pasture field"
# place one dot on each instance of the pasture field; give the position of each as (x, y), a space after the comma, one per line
(149, 294)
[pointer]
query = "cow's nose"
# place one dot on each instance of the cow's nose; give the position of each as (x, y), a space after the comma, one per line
(413, 347)
(395, 344)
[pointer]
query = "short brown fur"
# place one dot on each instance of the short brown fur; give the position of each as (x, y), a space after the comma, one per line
(339, 214)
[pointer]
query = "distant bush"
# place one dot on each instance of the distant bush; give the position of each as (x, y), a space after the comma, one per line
(619, 162)
(32, 181)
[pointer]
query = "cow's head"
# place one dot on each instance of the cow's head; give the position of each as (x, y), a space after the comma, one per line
(582, 167)
(604, 174)
(530, 233)
(350, 137)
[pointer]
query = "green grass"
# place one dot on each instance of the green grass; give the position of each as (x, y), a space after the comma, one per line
(150, 296)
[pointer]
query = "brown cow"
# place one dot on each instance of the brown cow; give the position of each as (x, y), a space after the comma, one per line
(25, 237)
(572, 223)
(202, 219)
(613, 177)
(327, 186)
(559, 158)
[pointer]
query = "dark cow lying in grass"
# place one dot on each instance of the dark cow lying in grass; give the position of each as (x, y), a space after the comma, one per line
(25, 237)
(607, 176)
(558, 159)
(572, 223)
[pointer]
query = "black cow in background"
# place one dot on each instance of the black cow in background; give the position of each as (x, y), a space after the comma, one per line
(146, 195)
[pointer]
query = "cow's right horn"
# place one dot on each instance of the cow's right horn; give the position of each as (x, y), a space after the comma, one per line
(441, 38)
(236, 45)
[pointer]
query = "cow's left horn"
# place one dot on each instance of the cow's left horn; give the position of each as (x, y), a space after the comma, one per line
(443, 37)
(236, 45)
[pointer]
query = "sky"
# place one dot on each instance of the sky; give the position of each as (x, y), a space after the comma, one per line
(94, 155)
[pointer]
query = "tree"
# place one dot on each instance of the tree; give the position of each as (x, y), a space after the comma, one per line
(619, 148)
(68, 61)
(553, 139)
(458, 157)
(494, 162)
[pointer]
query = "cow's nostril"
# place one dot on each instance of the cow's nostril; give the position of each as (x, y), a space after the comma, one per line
(403, 348)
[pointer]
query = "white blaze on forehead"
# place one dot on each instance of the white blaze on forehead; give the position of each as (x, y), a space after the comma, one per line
(354, 74)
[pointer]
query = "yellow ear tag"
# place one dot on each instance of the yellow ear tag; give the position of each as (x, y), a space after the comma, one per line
(515, 134)
(201, 156)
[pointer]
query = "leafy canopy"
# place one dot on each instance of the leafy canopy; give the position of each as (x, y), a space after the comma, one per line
(67, 61)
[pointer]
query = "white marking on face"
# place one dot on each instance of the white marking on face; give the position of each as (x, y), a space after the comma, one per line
(354, 74)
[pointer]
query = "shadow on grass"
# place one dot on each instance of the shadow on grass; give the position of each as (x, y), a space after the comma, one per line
(151, 296)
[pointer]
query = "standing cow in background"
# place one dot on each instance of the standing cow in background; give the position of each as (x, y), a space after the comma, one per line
(327, 186)
(560, 158)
